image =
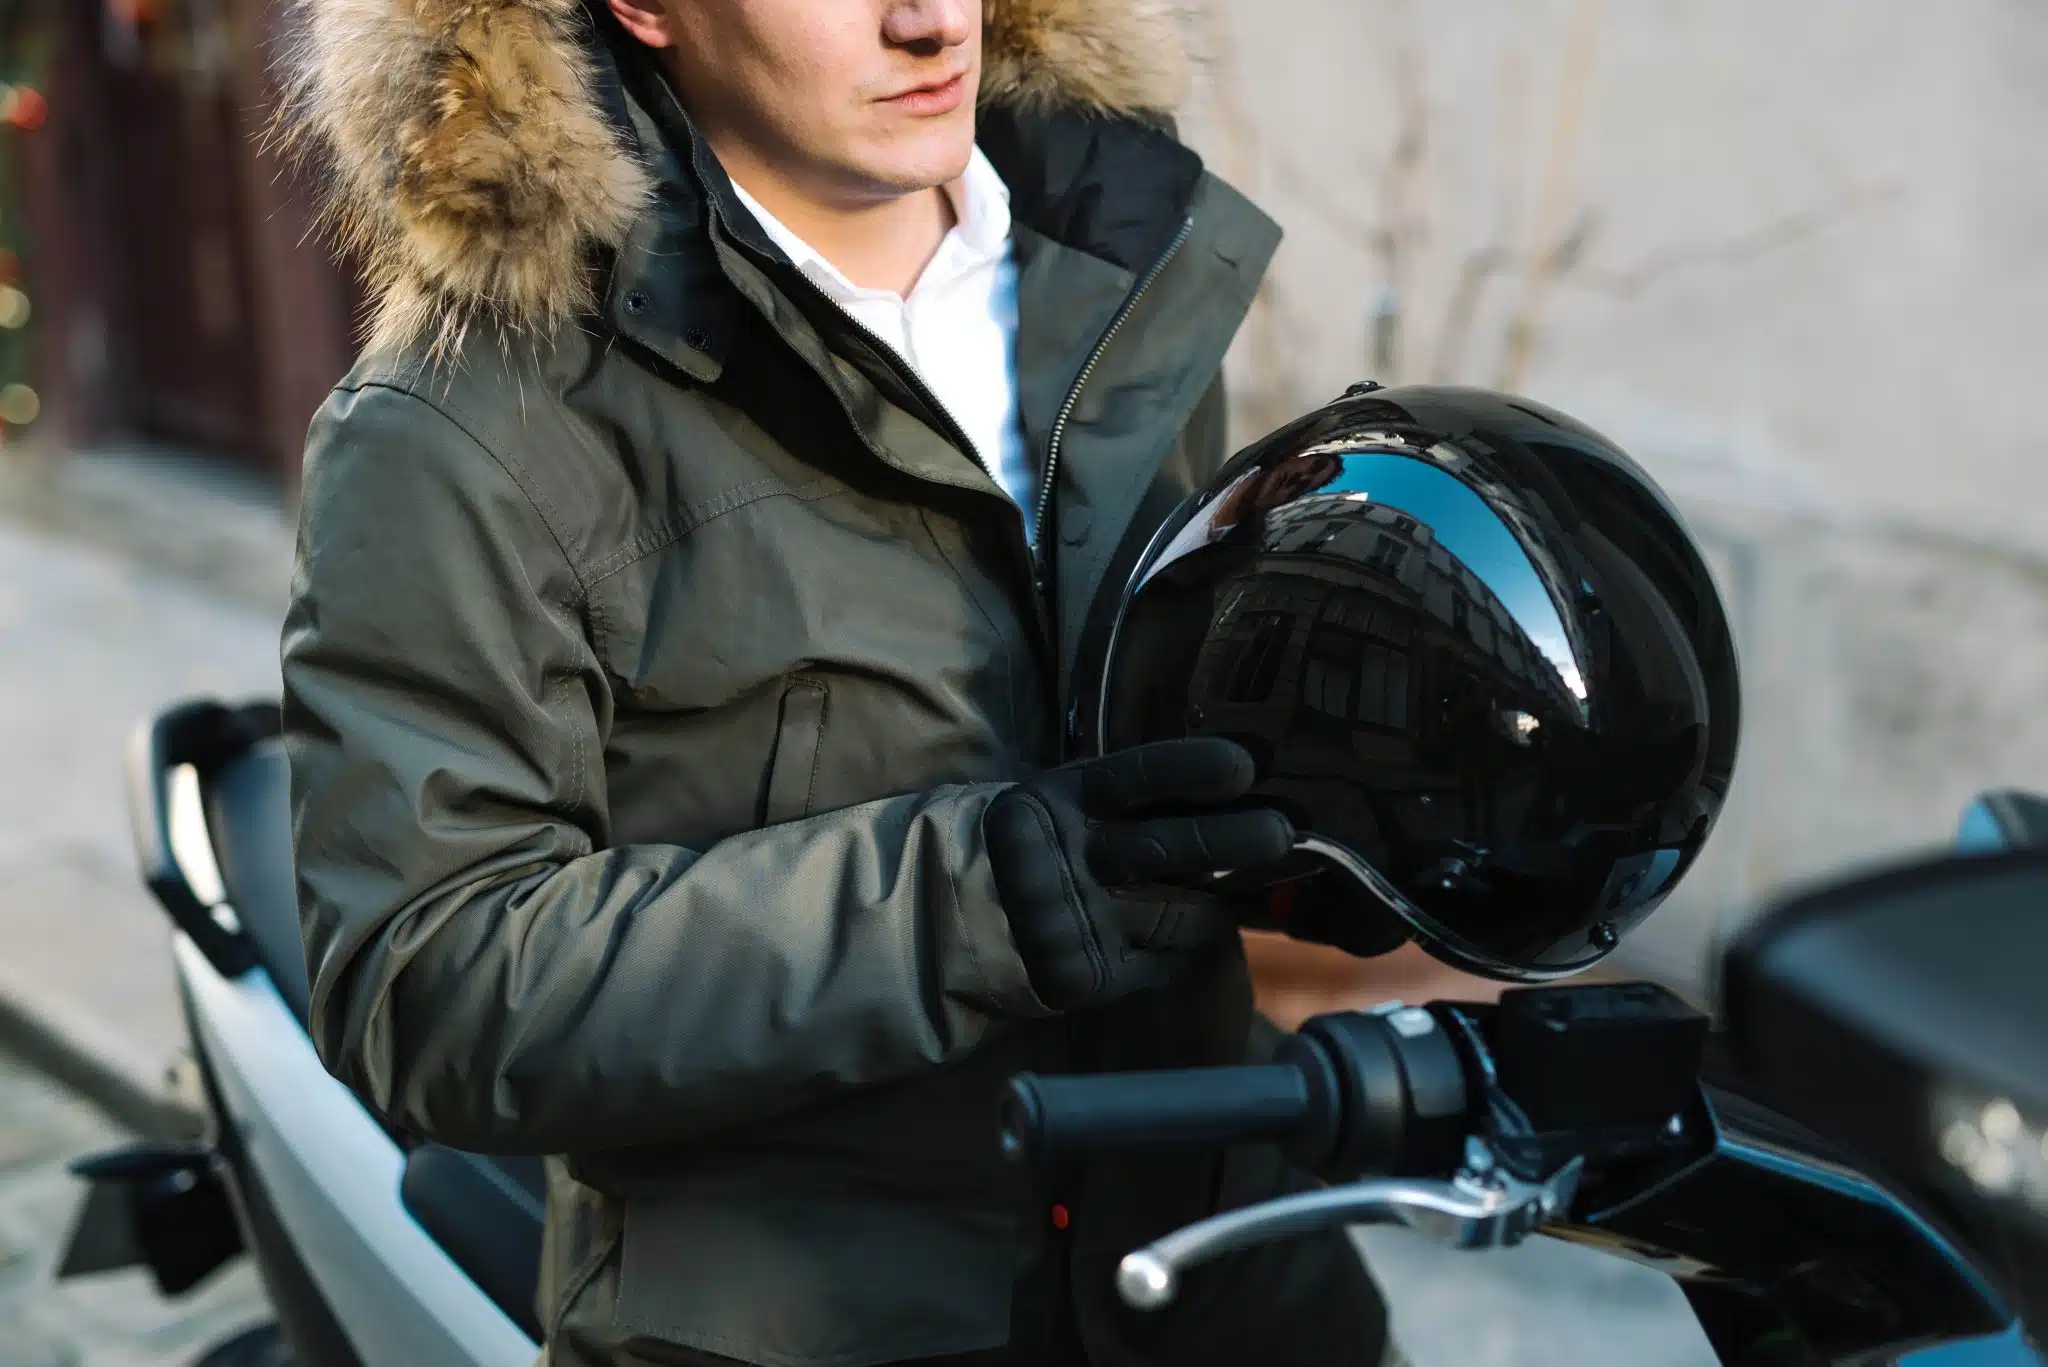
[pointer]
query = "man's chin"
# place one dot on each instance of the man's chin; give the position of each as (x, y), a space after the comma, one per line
(905, 166)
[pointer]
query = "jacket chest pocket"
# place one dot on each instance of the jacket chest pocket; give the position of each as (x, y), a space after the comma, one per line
(793, 769)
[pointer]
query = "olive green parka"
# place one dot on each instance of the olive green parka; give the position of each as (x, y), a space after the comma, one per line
(657, 642)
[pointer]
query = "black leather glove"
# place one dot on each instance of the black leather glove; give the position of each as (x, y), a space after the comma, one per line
(1100, 864)
(1326, 908)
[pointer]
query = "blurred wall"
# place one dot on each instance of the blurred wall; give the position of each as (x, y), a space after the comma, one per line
(1790, 255)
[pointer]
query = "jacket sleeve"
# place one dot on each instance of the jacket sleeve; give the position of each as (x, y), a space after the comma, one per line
(485, 972)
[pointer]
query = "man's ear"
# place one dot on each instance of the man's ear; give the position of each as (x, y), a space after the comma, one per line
(647, 20)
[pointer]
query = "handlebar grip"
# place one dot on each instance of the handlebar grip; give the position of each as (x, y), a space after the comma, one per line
(1047, 1117)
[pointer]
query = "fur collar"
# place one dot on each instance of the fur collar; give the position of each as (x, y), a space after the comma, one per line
(469, 165)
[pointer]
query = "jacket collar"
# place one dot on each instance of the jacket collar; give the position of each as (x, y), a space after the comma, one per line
(1113, 188)
(478, 155)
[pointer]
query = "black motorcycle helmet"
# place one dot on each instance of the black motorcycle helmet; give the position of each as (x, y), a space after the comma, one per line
(1477, 656)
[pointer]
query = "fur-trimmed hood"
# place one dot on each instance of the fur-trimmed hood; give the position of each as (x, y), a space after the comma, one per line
(469, 164)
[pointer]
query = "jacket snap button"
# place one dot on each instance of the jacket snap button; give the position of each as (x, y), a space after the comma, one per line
(636, 302)
(1075, 524)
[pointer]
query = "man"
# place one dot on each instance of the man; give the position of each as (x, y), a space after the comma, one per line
(694, 581)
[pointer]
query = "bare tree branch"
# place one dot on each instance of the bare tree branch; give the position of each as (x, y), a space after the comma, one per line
(1569, 251)
(1313, 193)
(1264, 352)
(1734, 251)
(1544, 258)
(1479, 268)
(1483, 264)
(1404, 230)
(1397, 234)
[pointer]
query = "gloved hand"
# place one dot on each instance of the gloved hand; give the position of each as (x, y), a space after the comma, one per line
(1099, 864)
(1326, 908)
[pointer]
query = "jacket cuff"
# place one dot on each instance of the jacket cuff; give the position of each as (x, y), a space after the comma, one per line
(985, 968)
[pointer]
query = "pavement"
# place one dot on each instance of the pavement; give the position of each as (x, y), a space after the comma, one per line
(128, 580)
(1892, 671)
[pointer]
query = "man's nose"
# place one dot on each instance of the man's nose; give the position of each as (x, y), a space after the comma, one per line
(931, 23)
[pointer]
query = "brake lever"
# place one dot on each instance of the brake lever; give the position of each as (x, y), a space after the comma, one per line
(1483, 1206)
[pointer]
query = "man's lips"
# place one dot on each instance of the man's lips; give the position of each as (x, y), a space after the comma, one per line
(933, 97)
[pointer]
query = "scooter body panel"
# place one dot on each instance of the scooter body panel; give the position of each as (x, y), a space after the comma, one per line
(333, 1175)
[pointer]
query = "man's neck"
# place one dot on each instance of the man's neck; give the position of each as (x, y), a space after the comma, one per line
(880, 244)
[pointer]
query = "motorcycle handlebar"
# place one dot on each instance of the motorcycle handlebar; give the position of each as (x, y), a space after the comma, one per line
(1349, 1092)
(1047, 1117)
(1474, 1125)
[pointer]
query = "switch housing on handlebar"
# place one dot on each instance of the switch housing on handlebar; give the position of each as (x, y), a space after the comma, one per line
(1609, 1073)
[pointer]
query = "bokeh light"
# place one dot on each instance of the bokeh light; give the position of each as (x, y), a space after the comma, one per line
(19, 405)
(14, 308)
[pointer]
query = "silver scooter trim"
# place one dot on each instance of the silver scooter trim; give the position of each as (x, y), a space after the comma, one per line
(333, 1175)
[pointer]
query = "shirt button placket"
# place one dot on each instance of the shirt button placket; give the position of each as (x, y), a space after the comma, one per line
(906, 332)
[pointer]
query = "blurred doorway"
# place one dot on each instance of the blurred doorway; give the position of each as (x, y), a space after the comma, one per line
(182, 295)
(188, 324)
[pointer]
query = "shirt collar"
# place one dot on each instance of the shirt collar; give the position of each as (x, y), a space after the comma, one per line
(981, 203)
(981, 208)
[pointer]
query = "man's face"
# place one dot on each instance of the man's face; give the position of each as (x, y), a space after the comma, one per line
(852, 100)
(1300, 475)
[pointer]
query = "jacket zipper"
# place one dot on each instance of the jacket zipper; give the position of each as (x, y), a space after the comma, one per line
(904, 371)
(912, 381)
(1040, 559)
(1041, 607)
(900, 366)
(1037, 557)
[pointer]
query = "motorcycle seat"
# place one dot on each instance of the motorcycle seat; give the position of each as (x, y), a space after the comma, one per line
(248, 814)
(486, 1214)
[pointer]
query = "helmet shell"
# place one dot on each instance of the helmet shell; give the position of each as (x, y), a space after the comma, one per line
(1479, 659)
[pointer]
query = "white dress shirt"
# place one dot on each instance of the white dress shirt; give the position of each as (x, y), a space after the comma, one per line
(958, 327)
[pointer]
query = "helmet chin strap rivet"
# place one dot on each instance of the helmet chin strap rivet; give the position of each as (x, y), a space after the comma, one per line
(1145, 1281)
(1603, 936)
